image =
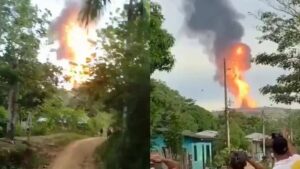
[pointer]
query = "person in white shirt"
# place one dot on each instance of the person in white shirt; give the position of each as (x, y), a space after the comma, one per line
(284, 153)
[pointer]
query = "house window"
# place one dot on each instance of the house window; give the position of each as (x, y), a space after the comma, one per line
(195, 153)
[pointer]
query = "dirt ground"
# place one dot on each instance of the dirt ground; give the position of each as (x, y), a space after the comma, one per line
(77, 155)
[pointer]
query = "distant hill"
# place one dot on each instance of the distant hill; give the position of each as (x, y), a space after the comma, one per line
(272, 113)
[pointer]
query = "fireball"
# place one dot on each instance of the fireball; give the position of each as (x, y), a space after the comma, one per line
(75, 45)
(238, 64)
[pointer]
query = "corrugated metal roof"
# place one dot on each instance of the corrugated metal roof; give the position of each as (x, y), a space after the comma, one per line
(256, 136)
(188, 133)
(208, 133)
(194, 135)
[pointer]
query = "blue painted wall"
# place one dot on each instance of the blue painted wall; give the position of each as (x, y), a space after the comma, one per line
(201, 150)
(158, 144)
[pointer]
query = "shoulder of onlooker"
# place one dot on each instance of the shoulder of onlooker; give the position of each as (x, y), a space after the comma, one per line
(277, 167)
(297, 156)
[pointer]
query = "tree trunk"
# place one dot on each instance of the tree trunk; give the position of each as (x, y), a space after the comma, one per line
(12, 111)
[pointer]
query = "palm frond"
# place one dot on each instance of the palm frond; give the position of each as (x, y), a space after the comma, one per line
(92, 10)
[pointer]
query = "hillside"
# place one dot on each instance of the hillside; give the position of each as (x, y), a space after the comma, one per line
(272, 113)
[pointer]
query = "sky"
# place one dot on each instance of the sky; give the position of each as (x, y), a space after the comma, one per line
(193, 73)
(55, 7)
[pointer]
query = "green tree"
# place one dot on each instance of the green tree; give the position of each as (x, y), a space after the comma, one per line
(121, 80)
(237, 134)
(160, 42)
(203, 118)
(292, 120)
(93, 8)
(121, 83)
(59, 117)
(23, 26)
(164, 101)
(282, 28)
(173, 136)
(249, 124)
(173, 113)
(3, 120)
(101, 120)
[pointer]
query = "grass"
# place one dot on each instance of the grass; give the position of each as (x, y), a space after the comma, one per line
(37, 152)
(59, 139)
(107, 153)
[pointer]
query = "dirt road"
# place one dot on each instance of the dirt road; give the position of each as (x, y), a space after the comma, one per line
(78, 155)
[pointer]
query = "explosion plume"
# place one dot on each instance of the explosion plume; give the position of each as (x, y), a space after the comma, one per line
(216, 24)
(75, 44)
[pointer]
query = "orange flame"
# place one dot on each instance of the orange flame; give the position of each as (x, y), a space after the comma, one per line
(237, 64)
(76, 43)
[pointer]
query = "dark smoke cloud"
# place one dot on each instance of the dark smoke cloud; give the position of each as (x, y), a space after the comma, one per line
(214, 22)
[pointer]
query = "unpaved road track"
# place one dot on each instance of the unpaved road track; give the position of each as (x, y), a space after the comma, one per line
(77, 155)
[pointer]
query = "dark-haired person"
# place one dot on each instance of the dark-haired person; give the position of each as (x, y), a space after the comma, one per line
(156, 158)
(239, 160)
(284, 153)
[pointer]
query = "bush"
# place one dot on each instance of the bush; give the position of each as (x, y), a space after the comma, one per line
(73, 118)
(102, 120)
(40, 129)
(20, 157)
(108, 152)
(19, 131)
(59, 117)
(3, 121)
(222, 158)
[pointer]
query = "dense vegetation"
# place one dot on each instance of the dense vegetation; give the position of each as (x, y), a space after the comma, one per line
(120, 94)
(172, 113)
(122, 81)
(281, 26)
(30, 97)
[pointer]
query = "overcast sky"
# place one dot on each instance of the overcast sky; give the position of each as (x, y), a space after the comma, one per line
(193, 73)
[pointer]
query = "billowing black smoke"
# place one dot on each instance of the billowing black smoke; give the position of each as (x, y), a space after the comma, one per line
(216, 24)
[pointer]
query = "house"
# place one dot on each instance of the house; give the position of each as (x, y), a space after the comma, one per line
(200, 149)
(197, 148)
(256, 145)
(42, 119)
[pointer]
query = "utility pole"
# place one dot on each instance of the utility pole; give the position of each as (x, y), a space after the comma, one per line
(263, 128)
(124, 117)
(226, 106)
(29, 124)
(291, 115)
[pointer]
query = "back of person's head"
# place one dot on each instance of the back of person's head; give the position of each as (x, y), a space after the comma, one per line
(280, 144)
(264, 157)
(238, 160)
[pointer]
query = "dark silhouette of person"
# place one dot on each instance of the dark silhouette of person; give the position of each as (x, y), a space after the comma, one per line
(239, 160)
(109, 132)
(101, 131)
(284, 152)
